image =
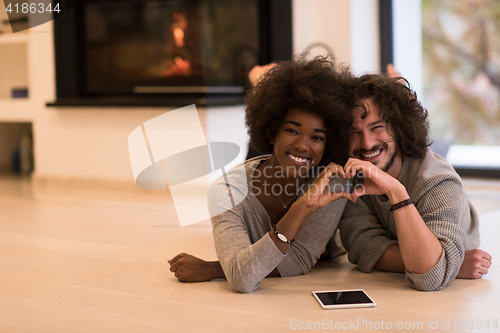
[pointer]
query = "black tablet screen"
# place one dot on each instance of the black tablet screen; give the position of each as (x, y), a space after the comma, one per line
(343, 297)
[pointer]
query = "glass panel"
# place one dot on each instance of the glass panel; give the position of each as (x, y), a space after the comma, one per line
(461, 61)
(169, 43)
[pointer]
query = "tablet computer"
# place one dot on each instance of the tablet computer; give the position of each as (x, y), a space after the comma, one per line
(343, 299)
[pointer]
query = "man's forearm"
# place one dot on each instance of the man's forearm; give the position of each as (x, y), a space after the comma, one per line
(420, 249)
(391, 260)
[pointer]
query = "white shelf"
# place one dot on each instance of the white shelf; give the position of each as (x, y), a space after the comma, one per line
(14, 38)
(16, 110)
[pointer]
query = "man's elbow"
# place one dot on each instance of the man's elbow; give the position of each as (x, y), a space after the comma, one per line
(427, 285)
(432, 280)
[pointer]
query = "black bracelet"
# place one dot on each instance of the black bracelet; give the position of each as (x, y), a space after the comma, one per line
(401, 204)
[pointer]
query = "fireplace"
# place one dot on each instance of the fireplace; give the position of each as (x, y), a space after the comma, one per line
(166, 52)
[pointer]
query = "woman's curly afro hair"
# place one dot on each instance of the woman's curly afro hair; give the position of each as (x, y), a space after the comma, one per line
(315, 86)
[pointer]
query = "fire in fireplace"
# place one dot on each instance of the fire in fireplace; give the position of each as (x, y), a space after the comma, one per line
(143, 52)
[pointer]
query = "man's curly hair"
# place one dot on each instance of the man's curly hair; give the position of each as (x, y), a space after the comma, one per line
(405, 116)
(315, 86)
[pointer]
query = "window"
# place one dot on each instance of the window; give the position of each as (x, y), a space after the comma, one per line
(450, 52)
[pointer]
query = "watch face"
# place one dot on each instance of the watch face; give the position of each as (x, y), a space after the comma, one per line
(282, 238)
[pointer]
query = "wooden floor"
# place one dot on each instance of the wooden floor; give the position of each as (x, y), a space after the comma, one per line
(93, 263)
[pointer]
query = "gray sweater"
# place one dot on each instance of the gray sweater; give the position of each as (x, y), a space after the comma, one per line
(246, 252)
(440, 199)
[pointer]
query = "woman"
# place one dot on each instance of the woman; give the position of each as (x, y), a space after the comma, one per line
(299, 113)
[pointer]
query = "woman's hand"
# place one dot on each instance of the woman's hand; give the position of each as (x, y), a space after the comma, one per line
(188, 268)
(319, 195)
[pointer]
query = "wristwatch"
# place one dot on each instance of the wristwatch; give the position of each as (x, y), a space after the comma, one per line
(282, 237)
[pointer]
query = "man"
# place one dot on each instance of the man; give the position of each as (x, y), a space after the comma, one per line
(416, 217)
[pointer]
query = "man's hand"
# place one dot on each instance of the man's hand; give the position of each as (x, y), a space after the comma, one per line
(188, 268)
(391, 72)
(375, 181)
(475, 265)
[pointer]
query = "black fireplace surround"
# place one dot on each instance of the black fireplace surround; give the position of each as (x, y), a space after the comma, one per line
(166, 52)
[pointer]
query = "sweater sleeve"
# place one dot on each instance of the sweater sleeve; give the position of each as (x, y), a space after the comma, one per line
(245, 264)
(442, 206)
(363, 236)
(311, 239)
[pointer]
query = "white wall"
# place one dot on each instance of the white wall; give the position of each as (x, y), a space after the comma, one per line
(325, 21)
(349, 28)
(87, 142)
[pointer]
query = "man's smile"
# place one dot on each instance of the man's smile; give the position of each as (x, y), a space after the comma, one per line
(374, 155)
(371, 154)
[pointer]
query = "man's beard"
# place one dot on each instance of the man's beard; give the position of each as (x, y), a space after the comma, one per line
(386, 167)
(384, 146)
